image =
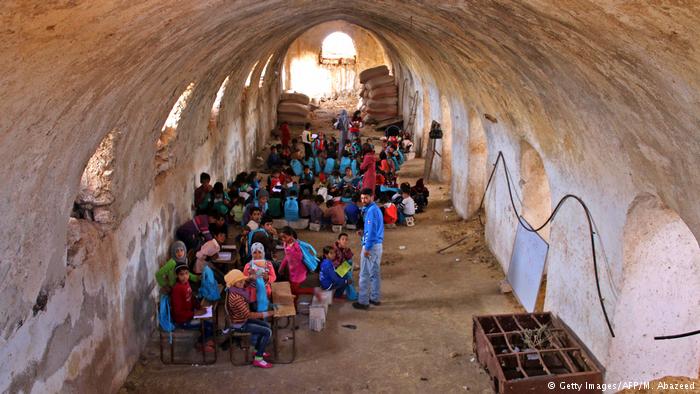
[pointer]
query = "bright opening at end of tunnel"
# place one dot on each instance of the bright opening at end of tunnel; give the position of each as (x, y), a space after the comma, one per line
(338, 45)
(321, 73)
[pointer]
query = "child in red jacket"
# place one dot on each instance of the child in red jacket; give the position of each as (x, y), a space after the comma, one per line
(184, 307)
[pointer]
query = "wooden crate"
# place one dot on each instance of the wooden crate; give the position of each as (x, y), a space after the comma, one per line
(516, 367)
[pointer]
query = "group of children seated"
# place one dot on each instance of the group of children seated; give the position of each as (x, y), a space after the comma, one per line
(318, 179)
(248, 292)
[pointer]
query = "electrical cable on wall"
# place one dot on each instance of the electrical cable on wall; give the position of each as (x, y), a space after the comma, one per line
(685, 334)
(549, 219)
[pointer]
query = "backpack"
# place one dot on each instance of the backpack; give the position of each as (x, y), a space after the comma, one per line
(291, 209)
(345, 162)
(296, 167)
(275, 207)
(252, 233)
(208, 289)
(317, 166)
(309, 253)
(355, 168)
(330, 166)
(164, 320)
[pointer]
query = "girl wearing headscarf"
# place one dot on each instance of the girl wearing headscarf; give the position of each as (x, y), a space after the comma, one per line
(262, 273)
(166, 276)
(343, 125)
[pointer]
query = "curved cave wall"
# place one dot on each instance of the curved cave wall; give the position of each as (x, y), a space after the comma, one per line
(604, 94)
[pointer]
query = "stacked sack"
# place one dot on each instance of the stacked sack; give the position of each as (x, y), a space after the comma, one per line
(293, 108)
(379, 94)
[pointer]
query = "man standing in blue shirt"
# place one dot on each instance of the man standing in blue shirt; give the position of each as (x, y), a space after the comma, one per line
(373, 236)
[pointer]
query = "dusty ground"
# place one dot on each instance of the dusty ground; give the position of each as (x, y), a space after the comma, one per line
(418, 339)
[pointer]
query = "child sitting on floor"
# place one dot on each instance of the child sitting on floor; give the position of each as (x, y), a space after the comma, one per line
(306, 181)
(408, 206)
(274, 160)
(184, 308)
(243, 320)
(237, 210)
(329, 278)
(352, 211)
(335, 182)
(262, 274)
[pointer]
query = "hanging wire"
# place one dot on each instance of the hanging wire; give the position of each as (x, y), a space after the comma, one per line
(527, 227)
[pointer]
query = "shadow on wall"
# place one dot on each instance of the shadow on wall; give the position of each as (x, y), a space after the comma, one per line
(659, 296)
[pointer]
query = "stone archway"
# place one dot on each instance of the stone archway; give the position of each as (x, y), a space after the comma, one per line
(659, 296)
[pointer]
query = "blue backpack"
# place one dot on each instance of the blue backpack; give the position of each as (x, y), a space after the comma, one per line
(296, 167)
(345, 162)
(317, 166)
(355, 168)
(209, 290)
(309, 253)
(291, 209)
(166, 323)
(330, 166)
(261, 294)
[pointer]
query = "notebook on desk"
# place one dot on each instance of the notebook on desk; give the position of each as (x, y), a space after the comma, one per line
(207, 314)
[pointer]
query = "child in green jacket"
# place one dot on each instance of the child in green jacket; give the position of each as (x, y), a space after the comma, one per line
(166, 276)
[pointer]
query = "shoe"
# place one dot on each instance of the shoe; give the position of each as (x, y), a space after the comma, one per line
(265, 355)
(377, 303)
(357, 305)
(261, 364)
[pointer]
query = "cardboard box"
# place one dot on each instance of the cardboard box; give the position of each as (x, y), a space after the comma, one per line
(282, 293)
(317, 317)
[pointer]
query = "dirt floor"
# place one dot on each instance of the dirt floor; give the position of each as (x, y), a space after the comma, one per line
(419, 338)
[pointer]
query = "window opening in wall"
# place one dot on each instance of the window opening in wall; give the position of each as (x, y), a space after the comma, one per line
(264, 70)
(95, 197)
(213, 118)
(338, 48)
(169, 131)
(219, 96)
(285, 81)
(250, 75)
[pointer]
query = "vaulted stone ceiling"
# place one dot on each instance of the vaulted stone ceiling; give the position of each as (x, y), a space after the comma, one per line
(606, 91)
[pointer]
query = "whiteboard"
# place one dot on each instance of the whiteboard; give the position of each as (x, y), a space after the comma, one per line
(527, 265)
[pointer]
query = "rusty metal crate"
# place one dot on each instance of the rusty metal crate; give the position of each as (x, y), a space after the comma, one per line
(516, 367)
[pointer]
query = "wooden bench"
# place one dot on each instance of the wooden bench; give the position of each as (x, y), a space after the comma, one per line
(181, 334)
